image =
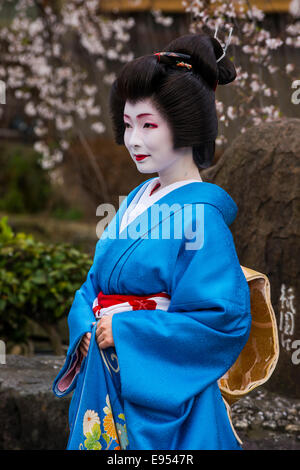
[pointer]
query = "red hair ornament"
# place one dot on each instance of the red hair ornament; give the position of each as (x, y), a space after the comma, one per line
(179, 63)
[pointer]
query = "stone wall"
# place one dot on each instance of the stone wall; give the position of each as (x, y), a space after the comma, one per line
(31, 416)
(260, 171)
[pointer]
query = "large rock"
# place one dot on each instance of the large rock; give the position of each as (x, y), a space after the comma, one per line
(260, 170)
(32, 418)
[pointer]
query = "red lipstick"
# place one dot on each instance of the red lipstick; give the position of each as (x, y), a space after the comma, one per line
(140, 157)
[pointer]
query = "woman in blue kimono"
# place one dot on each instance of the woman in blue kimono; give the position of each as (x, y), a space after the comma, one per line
(165, 309)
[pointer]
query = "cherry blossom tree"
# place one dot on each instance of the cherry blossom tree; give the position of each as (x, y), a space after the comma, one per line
(40, 68)
(250, 89)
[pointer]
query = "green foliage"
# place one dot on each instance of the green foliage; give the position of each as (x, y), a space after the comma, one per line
(24, 185)
(37, 280)
(67, 214)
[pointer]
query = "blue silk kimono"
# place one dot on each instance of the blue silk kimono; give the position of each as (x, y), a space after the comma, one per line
(157, 389)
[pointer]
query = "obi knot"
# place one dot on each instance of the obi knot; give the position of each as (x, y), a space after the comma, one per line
(143, 304)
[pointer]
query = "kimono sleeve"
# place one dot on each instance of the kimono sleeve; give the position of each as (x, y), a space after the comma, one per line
(80, 319)
(168, 357)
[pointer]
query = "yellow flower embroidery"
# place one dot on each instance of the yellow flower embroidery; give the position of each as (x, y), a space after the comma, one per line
(108, 422)
(109, 427)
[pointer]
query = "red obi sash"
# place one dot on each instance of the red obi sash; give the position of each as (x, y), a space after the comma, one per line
(107, 304)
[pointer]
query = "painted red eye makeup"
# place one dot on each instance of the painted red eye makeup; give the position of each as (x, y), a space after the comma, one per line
(149, 123)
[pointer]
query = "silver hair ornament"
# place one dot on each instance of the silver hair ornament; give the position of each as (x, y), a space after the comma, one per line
(226, 44)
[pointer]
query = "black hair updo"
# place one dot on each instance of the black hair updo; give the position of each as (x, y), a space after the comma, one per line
(184, 97)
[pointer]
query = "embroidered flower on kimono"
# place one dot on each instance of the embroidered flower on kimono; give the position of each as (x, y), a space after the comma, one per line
(107, 409)
(108, 422)
(90, 418)
(122, 434)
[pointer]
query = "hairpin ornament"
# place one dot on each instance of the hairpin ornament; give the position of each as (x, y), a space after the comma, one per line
(226, 44)
(176, 55)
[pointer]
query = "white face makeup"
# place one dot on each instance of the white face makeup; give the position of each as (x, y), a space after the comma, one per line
(148, 133)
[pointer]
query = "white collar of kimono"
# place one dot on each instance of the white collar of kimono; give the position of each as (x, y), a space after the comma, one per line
(142, 200)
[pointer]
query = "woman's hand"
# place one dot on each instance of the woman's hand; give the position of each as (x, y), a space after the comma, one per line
(104, 335)
(85, 343)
